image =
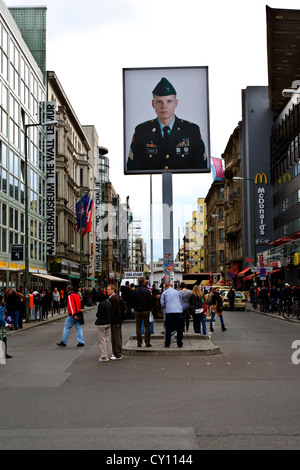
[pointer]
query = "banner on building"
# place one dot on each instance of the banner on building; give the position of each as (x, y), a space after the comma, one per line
(50, 179)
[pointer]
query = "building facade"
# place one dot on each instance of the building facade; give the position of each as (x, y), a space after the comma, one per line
(74, 175)
(23, 91)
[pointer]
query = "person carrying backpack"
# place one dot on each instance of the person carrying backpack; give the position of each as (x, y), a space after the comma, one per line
(216, 306)
(198, 304)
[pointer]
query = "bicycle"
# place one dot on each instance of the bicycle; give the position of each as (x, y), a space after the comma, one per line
(289, 312)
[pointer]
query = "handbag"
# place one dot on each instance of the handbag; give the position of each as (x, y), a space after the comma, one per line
(79, 315)
(198, 310)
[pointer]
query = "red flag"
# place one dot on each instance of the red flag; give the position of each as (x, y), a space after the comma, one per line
(89, 214)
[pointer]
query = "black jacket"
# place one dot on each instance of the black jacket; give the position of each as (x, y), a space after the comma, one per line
(104, 313)
(185, 147)
(141, 299)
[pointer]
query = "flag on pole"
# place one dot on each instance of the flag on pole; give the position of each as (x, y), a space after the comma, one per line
(81, 211)
(217, 169)
(89, 214)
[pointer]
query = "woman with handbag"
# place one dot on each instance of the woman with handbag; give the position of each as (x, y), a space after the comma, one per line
(198, 304)
(216, 306)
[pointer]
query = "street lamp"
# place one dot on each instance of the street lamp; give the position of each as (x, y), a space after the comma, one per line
(239, 178)
(26, 286)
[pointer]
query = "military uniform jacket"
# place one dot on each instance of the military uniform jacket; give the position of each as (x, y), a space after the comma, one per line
(185, 148)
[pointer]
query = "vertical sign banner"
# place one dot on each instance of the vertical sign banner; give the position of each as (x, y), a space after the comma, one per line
(98, 226)
(50, 180)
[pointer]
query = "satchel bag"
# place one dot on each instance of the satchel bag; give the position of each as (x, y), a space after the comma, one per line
(79, 314)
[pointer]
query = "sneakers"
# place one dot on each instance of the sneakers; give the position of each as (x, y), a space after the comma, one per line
(103, 359)
(114, 358)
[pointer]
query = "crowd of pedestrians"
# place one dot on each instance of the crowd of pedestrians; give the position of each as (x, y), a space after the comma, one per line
(144, 303)
(270, 299)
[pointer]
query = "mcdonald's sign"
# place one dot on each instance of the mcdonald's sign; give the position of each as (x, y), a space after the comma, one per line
(286, 175)
(261, 176)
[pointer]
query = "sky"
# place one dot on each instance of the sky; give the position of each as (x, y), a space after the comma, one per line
(89, 43)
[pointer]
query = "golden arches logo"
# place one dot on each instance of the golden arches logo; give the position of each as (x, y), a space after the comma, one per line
(284, 177)
(261, 176)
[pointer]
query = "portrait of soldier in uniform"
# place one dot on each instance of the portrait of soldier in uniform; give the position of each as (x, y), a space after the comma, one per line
(167, 142)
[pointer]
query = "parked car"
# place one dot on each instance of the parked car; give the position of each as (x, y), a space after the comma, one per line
(239, 301)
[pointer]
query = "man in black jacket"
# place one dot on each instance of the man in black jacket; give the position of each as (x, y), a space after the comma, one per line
(141, 301)
(13, 305)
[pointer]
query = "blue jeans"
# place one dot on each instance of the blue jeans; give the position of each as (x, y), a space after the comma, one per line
(68, 325)
(212, 316)
(15, 319)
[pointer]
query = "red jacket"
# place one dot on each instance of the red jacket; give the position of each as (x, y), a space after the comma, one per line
(74, 304)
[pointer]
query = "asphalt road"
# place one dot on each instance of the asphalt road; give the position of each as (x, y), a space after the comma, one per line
(247, 397)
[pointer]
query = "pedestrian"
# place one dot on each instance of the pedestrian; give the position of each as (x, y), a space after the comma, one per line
(141, 302)
(265, 297)
(56, 300)
(116, 323)
(185, 295)
(13, 305)
(126, 295)
(199, 305)
(62, 298)
(274, 298)
(74, 306)
(37, 305)
(3, 325)
(216, 307)
(155, 301)
(231, 296)
(31, 305)
(171, 301)
(103, 322)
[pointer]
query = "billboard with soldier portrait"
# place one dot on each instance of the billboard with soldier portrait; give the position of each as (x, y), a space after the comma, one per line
(166, 120)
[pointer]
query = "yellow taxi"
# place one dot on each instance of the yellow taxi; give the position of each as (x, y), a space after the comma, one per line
(239, 301)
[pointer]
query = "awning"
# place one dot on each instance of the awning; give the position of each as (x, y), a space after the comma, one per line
(288, 239)
(91, 279)
(71, 276)
(242, 273)
(247, 278)
(47, 277)
(190, 281)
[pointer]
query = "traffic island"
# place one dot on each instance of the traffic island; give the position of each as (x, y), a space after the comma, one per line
(193, 345)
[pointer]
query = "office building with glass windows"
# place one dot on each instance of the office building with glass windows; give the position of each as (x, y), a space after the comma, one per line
(22, 90)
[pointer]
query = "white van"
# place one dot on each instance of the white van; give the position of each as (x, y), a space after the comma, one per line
(132, 280)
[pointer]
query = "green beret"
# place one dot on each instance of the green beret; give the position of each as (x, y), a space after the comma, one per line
(164, 88)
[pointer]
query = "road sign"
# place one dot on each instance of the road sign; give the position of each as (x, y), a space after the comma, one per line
(267, 269)
(17, 252)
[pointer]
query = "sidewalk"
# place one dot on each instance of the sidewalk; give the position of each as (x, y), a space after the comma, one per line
(276, 315)
(33, 323)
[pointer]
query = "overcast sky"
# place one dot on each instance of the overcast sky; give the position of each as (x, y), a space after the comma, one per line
(90, 42)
